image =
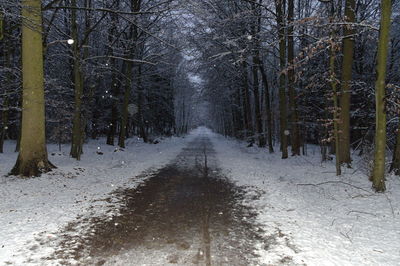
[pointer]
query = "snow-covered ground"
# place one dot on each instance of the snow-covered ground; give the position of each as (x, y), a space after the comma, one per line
(40, 206)
(310, 215)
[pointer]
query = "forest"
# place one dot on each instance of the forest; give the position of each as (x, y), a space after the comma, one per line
(321, 72)
(291, 77)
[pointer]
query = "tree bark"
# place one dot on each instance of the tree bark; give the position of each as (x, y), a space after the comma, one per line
(115, 84)
(114, 107)
(267, 107)
(141, 104)
(132, 51)
(239, 113)
(127, 96)
(333, 80)
(1, 26)
(294, 117)
(345, 98)
(282, 78)
(256, 92)
(32, 159)
(378, 173)
(246, 103)
(4, 122)
(395, 166)
(77, 132)
(257, 109)
(6, 104)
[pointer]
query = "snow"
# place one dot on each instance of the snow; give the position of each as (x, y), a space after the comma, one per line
(40, 206)
(337, 223)
(310, 216)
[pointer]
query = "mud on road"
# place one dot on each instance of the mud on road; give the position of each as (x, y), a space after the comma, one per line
(187, 213)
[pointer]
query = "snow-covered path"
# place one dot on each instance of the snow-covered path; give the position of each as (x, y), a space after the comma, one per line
(306, 215)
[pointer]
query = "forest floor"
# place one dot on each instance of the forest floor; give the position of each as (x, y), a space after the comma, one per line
(199, 200)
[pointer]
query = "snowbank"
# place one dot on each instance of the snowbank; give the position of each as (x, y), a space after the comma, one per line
(310, 215)
(41, 206)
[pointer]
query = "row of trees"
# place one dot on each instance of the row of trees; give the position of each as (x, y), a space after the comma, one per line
(288, 71)
(108, 68)
(304, 72)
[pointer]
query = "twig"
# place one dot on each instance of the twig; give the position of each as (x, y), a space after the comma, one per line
(390, 203)
(333, 221)
(337, 182)
(362, 213)
(346, 235)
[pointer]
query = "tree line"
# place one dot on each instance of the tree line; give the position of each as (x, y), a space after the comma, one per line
(297, 72)
(101, 68)
(268, 71)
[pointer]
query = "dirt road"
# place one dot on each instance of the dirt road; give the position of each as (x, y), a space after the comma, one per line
(184, 214)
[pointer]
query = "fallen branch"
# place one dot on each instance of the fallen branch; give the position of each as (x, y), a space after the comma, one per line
(337, 182)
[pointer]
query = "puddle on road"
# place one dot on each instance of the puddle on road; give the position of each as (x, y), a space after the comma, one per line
(184, 214)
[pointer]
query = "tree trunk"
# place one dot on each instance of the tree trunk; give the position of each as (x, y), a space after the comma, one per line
(256, 92)
(282, 79)
(267, 107)
(114, 108)
(32, 159)
(4, 122)
(294, 118)
(77, 131)
(132, 51)
(1, 26)
(141, 104)
(19, 128)
(127, 96)
(6, 104)
(395, 166)
(112, 127)
(333, 81)
(348, 51)
(257, 109)
(91, 90)
(239, 113)
(247, 109)
(378, 173)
